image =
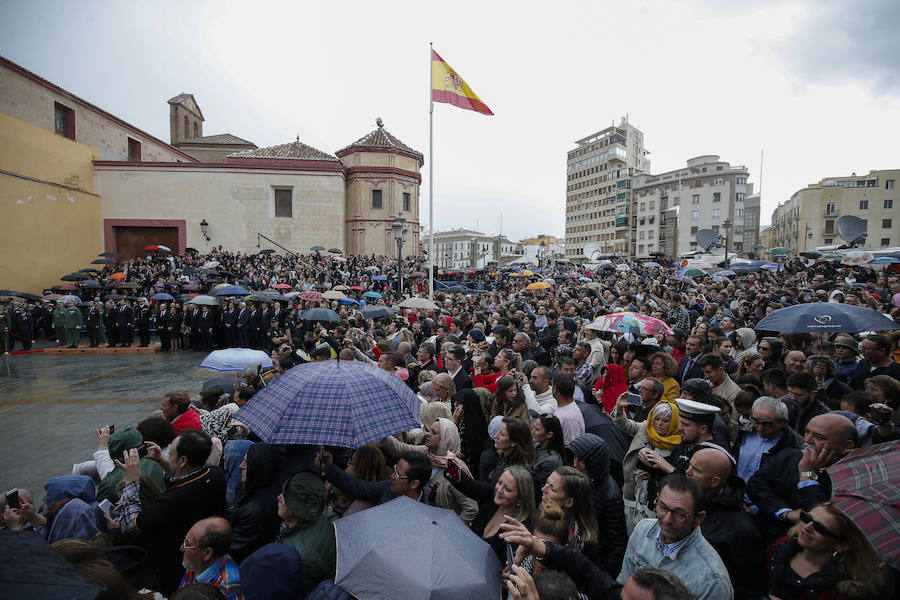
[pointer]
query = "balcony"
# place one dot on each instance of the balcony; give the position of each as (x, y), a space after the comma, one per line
(834, 212)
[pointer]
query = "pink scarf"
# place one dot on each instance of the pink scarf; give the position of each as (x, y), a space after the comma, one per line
(447, 448)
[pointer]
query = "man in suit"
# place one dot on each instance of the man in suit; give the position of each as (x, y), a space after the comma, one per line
(24, 327)
(125, 323)
(206, 324)
(453, 365)
(230, 321)
(689, 369)
(111, 320)
(162, 327)
(142, 315)
(256, 327)
(242, 325)
(95, 324)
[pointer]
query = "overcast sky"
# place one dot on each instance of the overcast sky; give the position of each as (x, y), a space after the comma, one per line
(816, 83)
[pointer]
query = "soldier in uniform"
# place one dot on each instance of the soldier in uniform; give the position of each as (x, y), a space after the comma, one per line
(73, 320)
(142, 314)
(112, 328)
(25, 327)
(95, 314)
(59, 325)
(4, 331)
(125, 323)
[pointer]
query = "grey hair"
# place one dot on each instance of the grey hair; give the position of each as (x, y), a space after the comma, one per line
(661, 409)
(658, 387)
(770, 403)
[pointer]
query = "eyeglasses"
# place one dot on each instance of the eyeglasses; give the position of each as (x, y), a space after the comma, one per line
(819, 527)
(679, 515)
(756, 421)
(398, 475)
(184, 545)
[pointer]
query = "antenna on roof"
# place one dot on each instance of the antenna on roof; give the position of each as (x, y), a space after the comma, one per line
(298, 137)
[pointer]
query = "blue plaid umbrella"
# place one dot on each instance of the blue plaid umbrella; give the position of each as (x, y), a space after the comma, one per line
(331, 403)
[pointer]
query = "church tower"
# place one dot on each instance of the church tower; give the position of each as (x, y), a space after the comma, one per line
(185, 120)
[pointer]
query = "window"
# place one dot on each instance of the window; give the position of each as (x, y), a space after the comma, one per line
(715, 228)
(652, 205)
(885, 242)
(695, 215)
(196, 131)
(739, 197)
(694, 230)
(716, 213)
(406, 201)
(863, 205)
(889, 184)
(886, 223)
(830, 208)
(719, 181)
(829, 226)
(640, 235)
(650, 235)
(717, 196)
(828, 241)
(283, 202)
(64, 119)
(134, 150)
(739, 213)
(376, 199)
(187, 131)
(889, 203)
(695, 199)
(740, 181)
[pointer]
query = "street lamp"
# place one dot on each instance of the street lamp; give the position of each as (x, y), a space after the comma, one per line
(398, 227)
(204, 229)
(726, 226)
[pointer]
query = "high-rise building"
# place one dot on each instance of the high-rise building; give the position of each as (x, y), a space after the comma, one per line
(669, 208)
(598, 189)
(808, 219)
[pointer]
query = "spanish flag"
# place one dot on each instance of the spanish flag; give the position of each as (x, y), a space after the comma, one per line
(447, 86)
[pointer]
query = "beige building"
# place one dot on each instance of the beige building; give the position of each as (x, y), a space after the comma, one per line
(807, 220)
(186, 133)
(598, 189)
(669, 208)
(466, 248)
(767, 237)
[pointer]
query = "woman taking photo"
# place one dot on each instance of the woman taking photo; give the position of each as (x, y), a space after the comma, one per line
(548, 443)
(571, 490)
(664, 368)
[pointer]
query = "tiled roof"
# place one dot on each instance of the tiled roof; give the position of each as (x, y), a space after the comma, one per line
(380, 138)
(179, 98)
(292, 151)
(222, 138)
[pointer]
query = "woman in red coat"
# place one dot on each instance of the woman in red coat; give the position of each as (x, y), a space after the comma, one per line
(610, 386)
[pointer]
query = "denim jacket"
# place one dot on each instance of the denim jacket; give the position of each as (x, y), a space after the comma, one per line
(695, 561)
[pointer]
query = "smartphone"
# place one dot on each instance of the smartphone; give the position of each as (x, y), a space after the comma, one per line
(509, 556)
(634, 399)
(12, 498)
(112, 429)
(143, 451)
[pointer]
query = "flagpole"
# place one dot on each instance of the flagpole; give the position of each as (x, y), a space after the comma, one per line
(430, 176)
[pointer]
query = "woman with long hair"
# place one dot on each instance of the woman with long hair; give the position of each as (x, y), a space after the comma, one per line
(546, 432)
(571, 489)
(509, 399)
(826, 556)
(664, 368)
(513, 495)
(367, 464)
(506, 360)
(750, 363)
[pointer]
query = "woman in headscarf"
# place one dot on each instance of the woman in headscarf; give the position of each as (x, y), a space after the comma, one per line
(660, 434)
(441, 446)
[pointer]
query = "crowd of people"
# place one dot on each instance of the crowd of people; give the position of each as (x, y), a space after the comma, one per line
(685, 458)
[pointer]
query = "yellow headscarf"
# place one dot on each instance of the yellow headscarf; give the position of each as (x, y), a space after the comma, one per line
(672, 437)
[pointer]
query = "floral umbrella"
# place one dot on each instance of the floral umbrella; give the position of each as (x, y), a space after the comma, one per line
(629, 322)
(312, 296)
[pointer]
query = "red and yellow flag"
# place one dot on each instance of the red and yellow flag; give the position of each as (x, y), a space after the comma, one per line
(447, 86)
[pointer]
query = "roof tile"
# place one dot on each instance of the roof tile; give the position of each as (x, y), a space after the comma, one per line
(381, 138)
(292, 151)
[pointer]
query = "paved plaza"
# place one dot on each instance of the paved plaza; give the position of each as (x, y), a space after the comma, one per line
(51, 405)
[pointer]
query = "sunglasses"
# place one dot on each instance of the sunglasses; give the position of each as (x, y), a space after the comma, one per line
(821, 529)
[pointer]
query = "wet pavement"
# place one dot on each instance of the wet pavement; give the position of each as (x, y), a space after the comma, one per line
(51, 406)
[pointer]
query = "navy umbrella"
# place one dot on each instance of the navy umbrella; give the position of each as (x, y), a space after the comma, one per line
(110, 255)
(162, 296)
(232, 290)
(91, 284)
(24, 295)
(31, 568)
(320, 314)
(103, 261)
(826, 317)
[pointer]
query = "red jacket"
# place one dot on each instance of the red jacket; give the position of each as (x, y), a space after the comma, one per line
(189, 419)
(614, 383)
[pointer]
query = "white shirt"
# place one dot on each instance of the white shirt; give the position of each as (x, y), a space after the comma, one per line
(543, 403)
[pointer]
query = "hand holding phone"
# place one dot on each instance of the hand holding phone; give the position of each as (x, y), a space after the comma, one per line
(12, 499)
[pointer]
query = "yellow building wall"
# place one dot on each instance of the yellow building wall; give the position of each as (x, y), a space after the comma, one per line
(50, 215)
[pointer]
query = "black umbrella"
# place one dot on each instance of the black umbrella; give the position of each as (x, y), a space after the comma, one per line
(377, 311)
(91, 284)
(318, 248)
(320, 314)
(657, 253)
(227, 274)
(23, 295)
(103, 261)
(30, 568)
(190, 250)
(74, 277)
(336, 251)
(266, 251)
(212, 272)
(88, 271)
(110, 255)
(226, 383)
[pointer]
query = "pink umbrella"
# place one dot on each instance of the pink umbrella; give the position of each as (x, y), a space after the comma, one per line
(51, 297)
(313, 296)
(629, 322)
(191, 286)
(340, 259)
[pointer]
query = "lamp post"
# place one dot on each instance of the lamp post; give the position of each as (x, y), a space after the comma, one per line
(204, 229)
(727, 225)
(398, 227)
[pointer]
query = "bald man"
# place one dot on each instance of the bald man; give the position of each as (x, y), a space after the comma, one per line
(728, 527)
(206, 560)
(795, 479)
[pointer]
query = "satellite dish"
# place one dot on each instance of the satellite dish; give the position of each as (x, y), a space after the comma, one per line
(590, 250)
(706, 238)
(852, 229)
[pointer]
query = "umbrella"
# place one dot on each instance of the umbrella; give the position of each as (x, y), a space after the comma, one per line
(623, 267)
(865, 489)
(341, 288)
(417, 274)
(114, 296)
(281, 286)
(693, 273)
(814, 254)
(526, 273)
(232, 290)
(372, 268)
(629, 322)
(723, 273)
(538, 285)
(377, 311)
(652, 265)
(332, 403)
(190, 250)
(75, 277)
(778, 251)
(205, 301)
(340, 259)
(320, 314)
(266, 251)
(51, 297)
(825, 317)
(346, 301)
(151, 247)
(886, 260)
(657, 253)
(88, 271)
(103, 261)
(758, 246)
(357, 288)
(318, 248)
(66, 287)
(128, 284)
(117, 276)
(314, 296)
(457, 289)
(857, 257)
(336, 251)
(69, 298)
(235, 359)
(193, 287)
(333, 295)
(163, 248)
(91, 284)
(212, 264)
(379, 278)
(162, 296)
(110, 255)
(225, 382)
(31, 568)
(374, 295)
(419, 303)
(416, 551)
(683, 279)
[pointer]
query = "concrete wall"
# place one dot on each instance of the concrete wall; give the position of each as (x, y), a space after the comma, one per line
(237, 203)
(50, 215)
(32, 101)
(212, 153)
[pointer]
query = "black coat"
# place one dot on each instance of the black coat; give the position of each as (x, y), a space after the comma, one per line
(255, 520)
(695, 372)
(783, 583)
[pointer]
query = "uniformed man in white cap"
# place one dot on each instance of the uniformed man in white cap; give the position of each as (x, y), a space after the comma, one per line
(695, 423)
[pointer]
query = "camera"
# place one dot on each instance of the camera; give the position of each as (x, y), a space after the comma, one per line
(880, 416)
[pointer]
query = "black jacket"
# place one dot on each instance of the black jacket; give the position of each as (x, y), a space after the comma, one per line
(255, 520)
(695, 372)
(789, 439)
(800, 419)
(612, 537)
(783, 583)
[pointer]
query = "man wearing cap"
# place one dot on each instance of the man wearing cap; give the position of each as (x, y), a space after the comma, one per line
(307, 528)
(59, 325)
(845, 363)
(695, 423)
(727, 526)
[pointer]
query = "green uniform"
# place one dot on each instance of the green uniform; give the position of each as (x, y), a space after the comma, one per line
(59, 325)
(73, 321)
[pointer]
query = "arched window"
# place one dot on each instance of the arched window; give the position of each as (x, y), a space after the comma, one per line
(187, 132)
(196, 130)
